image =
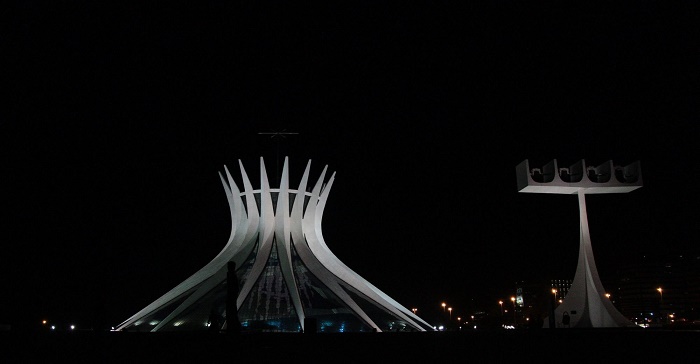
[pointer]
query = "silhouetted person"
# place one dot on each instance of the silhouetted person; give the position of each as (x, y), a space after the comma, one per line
(233, 325)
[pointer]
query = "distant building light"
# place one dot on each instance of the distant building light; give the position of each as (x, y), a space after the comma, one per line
(72, 327)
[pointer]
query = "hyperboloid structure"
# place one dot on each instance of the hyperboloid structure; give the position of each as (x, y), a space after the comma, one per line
(286, 273)
(586, 304)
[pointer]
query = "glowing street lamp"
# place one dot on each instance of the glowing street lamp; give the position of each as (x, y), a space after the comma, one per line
(501, 303)
(607, 295)
(661, 299)
(443, 306)
(414, 310)
(515, 320)
(450, 309)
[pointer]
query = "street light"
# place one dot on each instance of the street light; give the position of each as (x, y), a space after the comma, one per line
(661, 301)
(515, 320)
(501, 303)
(607, 295)
(450, 309)
(443, 306)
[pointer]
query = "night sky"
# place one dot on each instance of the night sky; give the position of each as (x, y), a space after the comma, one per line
(118, 117)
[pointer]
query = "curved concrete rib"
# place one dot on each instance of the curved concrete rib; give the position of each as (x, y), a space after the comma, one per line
(316, 263)
(283, 234)
(253, 222)
(267, 221)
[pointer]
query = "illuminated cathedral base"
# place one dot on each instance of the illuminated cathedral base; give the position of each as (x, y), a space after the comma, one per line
(285, 270)
(586, 303)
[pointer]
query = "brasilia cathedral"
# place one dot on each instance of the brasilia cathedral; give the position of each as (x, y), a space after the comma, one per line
(286, 276)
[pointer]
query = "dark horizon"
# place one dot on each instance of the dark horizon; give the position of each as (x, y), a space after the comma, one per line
(121, 116)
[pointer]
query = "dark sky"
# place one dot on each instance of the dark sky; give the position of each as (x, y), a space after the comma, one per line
(119, 117)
